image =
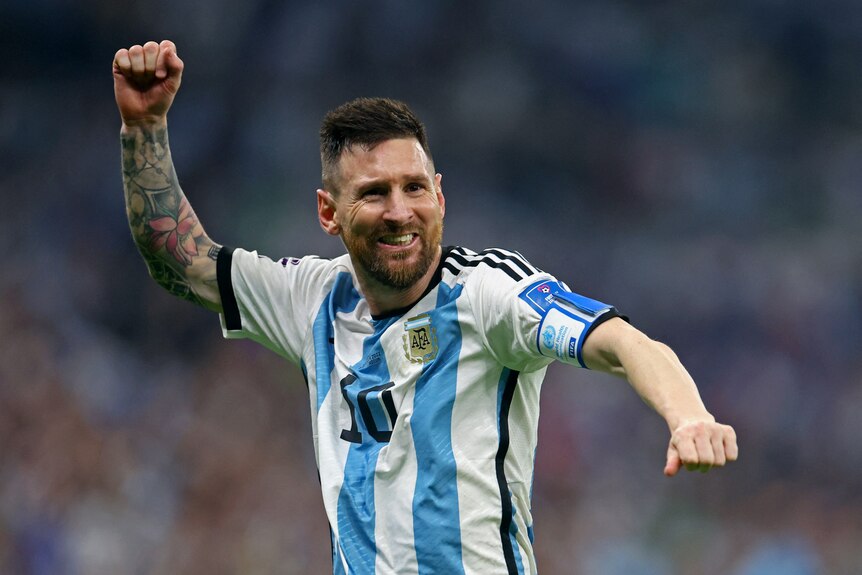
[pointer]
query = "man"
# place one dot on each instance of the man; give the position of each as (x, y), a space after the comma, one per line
(423, 363)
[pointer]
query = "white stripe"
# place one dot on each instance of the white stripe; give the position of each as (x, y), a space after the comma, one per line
(396, 472)
(475, 441)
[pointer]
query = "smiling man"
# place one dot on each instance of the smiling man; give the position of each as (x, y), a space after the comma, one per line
(424, 363)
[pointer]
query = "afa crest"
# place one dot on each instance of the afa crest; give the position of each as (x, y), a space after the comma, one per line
(420, 339)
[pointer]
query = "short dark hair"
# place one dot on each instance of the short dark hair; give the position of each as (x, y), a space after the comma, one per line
(365, 122)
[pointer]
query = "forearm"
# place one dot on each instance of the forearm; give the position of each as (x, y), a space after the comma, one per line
(651, 367)
(179, 255)
(656, 374)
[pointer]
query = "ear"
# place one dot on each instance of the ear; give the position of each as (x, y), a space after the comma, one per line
(326, 213)
(440, 199)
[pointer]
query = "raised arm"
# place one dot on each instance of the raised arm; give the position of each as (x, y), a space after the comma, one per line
(177, 251)
(654, 371)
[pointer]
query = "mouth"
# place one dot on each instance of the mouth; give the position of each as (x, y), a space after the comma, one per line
(398, 240)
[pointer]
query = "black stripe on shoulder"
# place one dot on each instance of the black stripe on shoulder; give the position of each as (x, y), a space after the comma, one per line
(502, 482)
(229, 307)
(515, 258)
(475, 260)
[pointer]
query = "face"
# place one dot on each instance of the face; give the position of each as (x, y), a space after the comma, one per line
(388, 211)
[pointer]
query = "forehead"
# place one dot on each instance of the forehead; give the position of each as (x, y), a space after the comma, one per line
(389, 160)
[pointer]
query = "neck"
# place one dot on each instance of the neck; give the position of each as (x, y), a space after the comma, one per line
(383, 299)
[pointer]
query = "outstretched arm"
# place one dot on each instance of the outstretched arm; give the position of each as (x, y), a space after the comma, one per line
(697, 441)
(179, 254)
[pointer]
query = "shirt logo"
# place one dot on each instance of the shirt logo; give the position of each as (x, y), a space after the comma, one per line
(420, 339)
(548, 336)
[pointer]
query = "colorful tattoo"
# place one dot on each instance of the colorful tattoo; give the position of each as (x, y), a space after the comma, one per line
(163, 224)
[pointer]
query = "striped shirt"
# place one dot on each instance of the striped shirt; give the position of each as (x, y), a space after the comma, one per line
(424, 420)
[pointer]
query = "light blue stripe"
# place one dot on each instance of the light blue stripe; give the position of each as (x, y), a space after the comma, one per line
(337, 565)
(343, 297)
(436, 520)
(417, 323)
(356, 511)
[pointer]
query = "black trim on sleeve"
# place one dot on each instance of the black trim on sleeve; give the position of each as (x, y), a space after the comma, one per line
(230, 309)
(610, 314)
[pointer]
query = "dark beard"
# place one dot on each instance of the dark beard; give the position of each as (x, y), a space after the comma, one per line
(386, 269)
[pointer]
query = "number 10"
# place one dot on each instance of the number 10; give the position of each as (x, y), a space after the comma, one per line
(353, 435)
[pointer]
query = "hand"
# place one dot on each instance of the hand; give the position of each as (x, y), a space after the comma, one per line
(146, 79)
(700, 445)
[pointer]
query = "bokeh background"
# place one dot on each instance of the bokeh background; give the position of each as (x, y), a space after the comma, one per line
(697, 164)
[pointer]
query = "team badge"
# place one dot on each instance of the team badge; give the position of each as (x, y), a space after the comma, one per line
(420, 339)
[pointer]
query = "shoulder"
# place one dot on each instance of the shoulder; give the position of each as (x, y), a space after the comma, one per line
(505, 266)
(300, 275)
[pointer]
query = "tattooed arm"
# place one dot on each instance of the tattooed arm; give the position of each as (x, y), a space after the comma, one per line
(178, 253)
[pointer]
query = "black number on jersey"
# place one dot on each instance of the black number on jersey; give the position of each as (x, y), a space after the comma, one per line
(353, 435)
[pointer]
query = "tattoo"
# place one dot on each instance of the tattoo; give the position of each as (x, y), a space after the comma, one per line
(164, 226)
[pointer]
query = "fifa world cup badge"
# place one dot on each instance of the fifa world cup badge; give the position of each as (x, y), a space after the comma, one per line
(420, 339)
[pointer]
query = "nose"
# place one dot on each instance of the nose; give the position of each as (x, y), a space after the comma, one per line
(398, 211)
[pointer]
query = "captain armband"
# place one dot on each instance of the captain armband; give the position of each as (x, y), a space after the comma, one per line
(566, 319)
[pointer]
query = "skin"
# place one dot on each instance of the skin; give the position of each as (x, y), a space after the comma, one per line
(179, 254)
(697, 441)
(385, 193)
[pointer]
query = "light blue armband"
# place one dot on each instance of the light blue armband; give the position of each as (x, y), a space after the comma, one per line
(566, 319)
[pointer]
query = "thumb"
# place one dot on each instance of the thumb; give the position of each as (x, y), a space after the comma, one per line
(674, 463)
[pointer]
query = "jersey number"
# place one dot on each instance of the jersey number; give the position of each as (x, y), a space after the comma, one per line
(353, 435)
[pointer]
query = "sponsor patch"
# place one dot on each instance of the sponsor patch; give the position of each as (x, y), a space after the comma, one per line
(561, 336)
(565, 317)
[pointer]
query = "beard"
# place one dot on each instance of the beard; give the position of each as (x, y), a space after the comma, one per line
(395, 270)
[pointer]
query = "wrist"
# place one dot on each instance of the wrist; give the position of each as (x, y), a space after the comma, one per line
(144, 124)
(679, 420)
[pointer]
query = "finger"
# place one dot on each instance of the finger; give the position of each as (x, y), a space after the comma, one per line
(687, 451)
(717, 441)
(136, 56)
(731, 448)
(164, 52)
(673, 464)
(705, 456)
(173, 64)
(151, 52)
(122, 64)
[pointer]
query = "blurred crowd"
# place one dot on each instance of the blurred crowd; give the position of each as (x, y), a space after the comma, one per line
(696, 164)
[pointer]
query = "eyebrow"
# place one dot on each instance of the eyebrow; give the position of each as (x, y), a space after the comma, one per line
(384, 183)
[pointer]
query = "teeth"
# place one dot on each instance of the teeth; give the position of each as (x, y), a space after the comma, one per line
(397, 240)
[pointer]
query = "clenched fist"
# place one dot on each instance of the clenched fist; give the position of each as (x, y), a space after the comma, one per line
(146, 80)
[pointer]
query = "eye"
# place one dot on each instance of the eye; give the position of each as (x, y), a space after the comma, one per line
(415, 187)
(371, 193)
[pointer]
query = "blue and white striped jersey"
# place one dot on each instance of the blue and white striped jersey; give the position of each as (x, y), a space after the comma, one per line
(424, 420)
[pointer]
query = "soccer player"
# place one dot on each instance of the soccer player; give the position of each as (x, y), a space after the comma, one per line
(424, 363)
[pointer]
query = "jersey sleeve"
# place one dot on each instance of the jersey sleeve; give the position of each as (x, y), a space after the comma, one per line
(268, 301)
(531, 322)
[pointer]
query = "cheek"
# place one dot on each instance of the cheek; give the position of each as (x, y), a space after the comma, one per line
(360, 219)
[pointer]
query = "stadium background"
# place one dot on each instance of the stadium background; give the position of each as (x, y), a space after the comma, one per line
(695, 163)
